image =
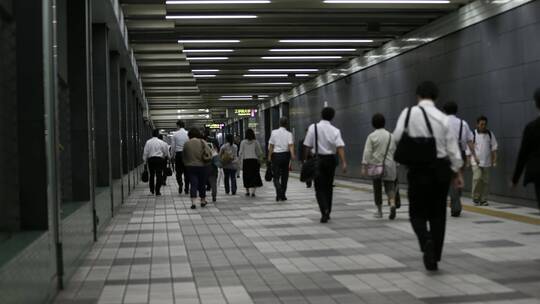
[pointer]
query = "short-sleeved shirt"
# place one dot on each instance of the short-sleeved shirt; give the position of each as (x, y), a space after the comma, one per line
(281, 139)
(483, 146)
(457, 124)
(329, 138)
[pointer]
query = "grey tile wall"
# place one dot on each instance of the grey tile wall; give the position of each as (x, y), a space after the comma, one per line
(491, 68)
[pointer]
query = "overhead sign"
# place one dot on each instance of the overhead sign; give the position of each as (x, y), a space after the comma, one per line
(215, 126)
(245, 112)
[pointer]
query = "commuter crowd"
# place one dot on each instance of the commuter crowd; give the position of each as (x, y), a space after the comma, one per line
(435, 147)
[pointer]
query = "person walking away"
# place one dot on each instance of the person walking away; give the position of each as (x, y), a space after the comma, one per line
(178, 140)
(460, 129)
(164, 177)
(197, 155)
(378, 163)
(213, 169)
(280, 152)
(485, 148)
(301, 156)
(433, 164)
(529, 154)
(250, 156)
(228, 155)
(155, 153)
(329, 143)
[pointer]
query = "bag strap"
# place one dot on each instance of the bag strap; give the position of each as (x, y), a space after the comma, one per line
(406, 127)
(316, 142)
(460, 131)
(427, 120)
(387, 149)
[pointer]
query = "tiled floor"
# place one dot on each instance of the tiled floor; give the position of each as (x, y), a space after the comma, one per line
(254, 250)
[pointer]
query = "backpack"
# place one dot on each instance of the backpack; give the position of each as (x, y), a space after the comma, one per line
(488, 132)
(226, 157)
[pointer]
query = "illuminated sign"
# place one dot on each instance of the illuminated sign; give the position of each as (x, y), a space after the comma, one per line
(215, 126)
(245, 112)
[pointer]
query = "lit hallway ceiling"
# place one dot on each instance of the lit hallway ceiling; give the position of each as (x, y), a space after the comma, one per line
(199, 57)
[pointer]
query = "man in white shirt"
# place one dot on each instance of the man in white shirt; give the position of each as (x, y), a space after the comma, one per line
(156, 151)
(329, 143)
(178, 139)
(429, 183)
(460, 129)
(280, 152)
(485, 149)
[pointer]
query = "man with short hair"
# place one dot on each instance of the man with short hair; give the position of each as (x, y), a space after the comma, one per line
(156, 151)
(485, 149)
(329, 143)
(178, 139)
(460, 129)
(429, 181)
(280, 152)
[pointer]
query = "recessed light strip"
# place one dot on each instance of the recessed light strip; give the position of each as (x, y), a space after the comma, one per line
(196, 17)
(265, 75)
(220, 2)
(187, 41)
(207, 51)
(312, 50)
(204, 76)
(326, 41)
(300, 57)
(204, 71)
(389, 1)
(283, 70)
(206, 58)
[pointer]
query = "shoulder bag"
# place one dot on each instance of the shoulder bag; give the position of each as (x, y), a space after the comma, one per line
(144, 175)
(206, 155)
(377, 171)
(310, 168)
(416, 151)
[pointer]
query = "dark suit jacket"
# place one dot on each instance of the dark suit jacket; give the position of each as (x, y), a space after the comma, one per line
(529, 154)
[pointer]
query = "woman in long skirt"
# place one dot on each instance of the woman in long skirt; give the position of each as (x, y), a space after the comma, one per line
(250, 156)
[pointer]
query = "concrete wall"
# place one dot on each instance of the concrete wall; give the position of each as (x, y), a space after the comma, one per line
(491, 68)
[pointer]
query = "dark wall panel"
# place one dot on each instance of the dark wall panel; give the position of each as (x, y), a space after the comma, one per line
(491, 68)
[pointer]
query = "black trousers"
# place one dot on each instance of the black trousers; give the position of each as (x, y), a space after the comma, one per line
(428, 188)
(197, 179)
(156, 166)
(280, 169)
(181, 170)
(324, 183)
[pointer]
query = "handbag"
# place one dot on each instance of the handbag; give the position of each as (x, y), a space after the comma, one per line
(144, 175)
(310, 168)
(416, 151)
(377, 171)
(168, 170)
(206, 155)
(269, 175)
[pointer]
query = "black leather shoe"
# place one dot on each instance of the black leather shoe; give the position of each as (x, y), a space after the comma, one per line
(252, 194)
(193, 207)
(214, 199)
(203, 204)
(455, 214)
(324, 219)
(278, 198)
(392, 213)
(158, 194)
(429, 256)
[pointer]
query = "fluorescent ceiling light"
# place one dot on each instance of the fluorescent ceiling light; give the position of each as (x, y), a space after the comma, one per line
(220, 2)
(207, 51)
(302, 75)
(270, 83)
(230, 99)
(204, 71)
(265, 75)
(207, 41)
(326, 41)
(312, 50)
(244, 96)
(283, 70)
(390, 1)
(204, 76)
(207, 58)
(196, 17)
(299, 57)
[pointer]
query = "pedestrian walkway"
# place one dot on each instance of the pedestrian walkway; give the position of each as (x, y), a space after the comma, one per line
(254, 250)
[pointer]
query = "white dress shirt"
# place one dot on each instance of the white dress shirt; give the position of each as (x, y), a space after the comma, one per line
(483, 146)
(466, 133)
(281, 139)
(328, 137)
(155, 147)
(179, 138)
(446, 141)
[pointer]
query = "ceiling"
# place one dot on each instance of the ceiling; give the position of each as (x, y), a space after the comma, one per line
(252, 52)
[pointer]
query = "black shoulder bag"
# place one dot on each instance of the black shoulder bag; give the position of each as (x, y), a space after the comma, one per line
(144, 175)
(416, 151)
(310, 168)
